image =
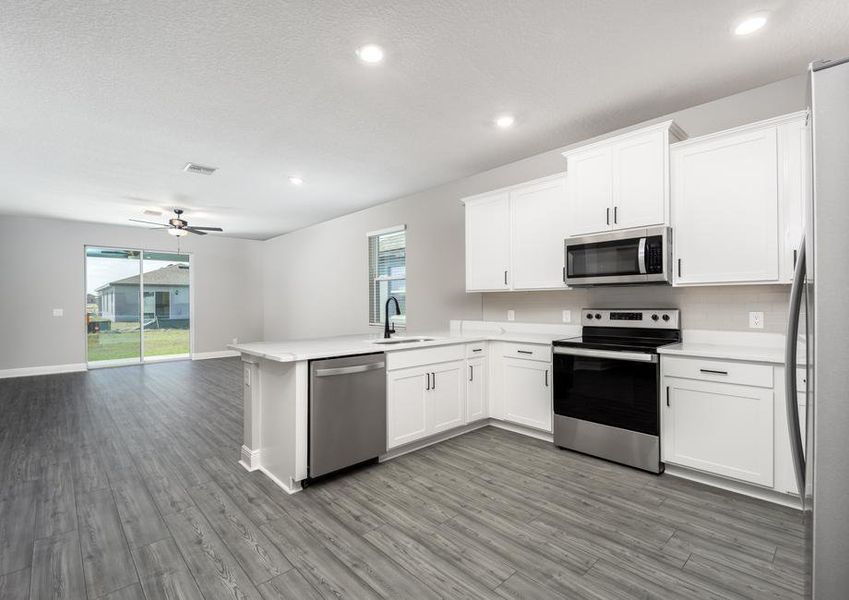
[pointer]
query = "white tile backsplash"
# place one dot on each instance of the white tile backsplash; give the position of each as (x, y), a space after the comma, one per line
(721, 308)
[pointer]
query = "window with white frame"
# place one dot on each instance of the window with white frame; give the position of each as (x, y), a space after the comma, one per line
(387, 274)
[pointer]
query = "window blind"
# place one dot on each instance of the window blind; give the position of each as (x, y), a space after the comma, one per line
(387, 274)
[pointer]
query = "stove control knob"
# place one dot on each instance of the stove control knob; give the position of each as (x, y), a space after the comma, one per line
(597, 316)
(589, 315)
(654, 317)
(665, 317)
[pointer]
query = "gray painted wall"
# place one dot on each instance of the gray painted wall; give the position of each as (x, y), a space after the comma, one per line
(316, 278)
(42, 268)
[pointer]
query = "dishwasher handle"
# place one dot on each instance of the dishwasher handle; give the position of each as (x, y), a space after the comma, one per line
(349, 370)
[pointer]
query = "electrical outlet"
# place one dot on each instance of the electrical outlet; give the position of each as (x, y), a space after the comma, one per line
(58, 312)
(567, 316)
(235, 340)
(511, 315)
(756, 320)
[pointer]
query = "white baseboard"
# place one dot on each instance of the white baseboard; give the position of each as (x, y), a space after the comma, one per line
(733, 486)
(528, 431)
(250, 458)
(48, 370)
(419, 444)
(217, 354)
(294, 488)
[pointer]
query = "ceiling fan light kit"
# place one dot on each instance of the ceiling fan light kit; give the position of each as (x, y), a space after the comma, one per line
(178, 226)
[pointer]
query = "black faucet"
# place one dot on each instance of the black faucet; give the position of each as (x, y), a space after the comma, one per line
(388, 329)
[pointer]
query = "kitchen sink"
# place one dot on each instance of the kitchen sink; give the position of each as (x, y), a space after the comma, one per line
(403, 340)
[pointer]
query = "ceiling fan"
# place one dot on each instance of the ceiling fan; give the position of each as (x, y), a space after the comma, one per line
(178, 226)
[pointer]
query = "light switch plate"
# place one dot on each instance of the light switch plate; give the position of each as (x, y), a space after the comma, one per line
(58, 312)
(567, 316)
(511, 315)
(756, 320)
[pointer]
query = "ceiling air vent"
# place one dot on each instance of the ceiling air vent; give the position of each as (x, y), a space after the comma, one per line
(199, 169)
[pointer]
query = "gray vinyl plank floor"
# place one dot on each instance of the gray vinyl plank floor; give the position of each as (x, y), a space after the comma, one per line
(123, 483)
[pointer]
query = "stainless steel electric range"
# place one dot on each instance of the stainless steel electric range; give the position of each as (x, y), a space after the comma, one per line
(607, 385)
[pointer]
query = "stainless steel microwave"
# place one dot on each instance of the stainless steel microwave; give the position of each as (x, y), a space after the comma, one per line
(620, 257)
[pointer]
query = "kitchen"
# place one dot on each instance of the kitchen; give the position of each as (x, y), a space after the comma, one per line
(583, 368)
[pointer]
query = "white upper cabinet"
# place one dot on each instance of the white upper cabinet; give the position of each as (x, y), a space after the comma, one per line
(539, 217)
(730, 192)
(590, 190)
(488, 242)
(514, 237)
(641, 180)
(794, 187)
(622, 182)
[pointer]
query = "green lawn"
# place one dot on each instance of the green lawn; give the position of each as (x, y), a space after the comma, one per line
(113, 345)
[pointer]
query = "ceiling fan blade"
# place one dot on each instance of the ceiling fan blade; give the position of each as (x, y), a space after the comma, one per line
(149, 222)
(194, 230)
(208, 228)
(160, 227)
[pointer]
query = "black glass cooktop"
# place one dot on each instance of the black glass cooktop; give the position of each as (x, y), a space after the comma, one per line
(622, 339)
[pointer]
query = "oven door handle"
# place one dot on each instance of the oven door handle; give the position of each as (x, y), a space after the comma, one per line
(611, 354)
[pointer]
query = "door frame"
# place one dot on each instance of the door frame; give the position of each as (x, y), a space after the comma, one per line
(123, 362)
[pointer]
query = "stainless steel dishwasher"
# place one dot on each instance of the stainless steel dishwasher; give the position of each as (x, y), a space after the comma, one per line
(347, 412)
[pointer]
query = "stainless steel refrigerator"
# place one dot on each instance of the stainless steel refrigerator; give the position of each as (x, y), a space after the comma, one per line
(818, 337)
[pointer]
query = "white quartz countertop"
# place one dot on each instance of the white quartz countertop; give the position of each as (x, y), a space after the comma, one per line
(726, 351)
(347, 345)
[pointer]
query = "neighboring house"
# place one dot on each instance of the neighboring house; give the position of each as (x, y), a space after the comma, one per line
(166, 297)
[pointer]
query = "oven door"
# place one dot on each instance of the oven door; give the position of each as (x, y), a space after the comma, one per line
(616, 389)
(635, 256)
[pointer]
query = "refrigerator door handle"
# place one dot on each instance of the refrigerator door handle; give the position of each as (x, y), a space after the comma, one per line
(790, 387)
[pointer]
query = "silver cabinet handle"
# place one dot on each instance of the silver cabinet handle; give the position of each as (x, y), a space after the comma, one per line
(524, 351)
(679, 268)
(546, 378)
(477, 349)
(348, 370)
(433, 387)
(714, 371)
(607, 215)
(427, 388)
(615, 215)
(667, 395)
(471, 372)
(505, 277)
(564, 274)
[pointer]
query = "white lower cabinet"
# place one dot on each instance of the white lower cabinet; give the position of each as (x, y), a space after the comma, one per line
(719, 428)
(407, 395)
(526, 392)
(423, 401)
(446, 406)
(476, 389)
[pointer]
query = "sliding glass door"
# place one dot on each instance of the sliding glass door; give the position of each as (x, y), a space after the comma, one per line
(137, 306)
(166, 321)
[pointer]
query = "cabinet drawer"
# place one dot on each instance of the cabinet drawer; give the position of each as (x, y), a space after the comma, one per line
(476, 350)
(402, 359)
(527, 351)
(724, 371)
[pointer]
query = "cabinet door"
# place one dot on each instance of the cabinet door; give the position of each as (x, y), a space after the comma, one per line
(794, 186)
(725, 209)
(590, 183)
(720, 428)
(446, 398)
(527, 393)
(639, 181)
(476, 388)
(488, 243)
(539, 226)
(406, 406)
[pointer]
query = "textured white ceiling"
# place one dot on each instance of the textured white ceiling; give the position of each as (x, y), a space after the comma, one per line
(102, 103)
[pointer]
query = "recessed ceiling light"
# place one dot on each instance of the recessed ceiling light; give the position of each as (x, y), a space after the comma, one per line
(295, 180)
(370, 53)
(750, 25)
(505, 121)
